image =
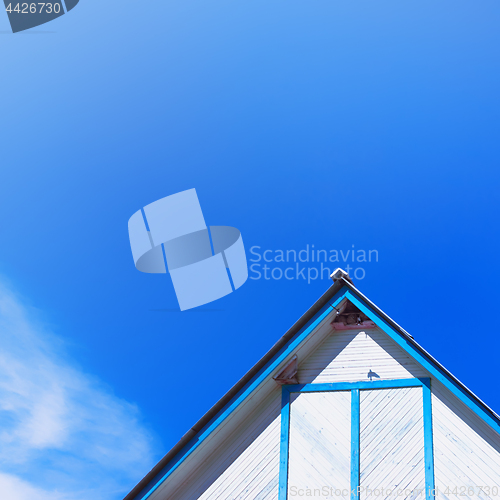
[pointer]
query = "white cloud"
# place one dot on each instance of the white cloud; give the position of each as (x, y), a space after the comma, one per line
(63, 435)
(13, 487)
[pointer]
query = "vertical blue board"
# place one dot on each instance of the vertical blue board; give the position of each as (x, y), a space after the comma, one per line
(284, 439)
(355, 431)
(428, 441)
(355, 388)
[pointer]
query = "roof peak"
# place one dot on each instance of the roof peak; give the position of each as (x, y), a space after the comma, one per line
(338, 274)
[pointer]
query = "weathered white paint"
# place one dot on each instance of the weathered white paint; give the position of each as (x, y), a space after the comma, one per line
(392, 443)
(217, 453)
(320, 443)
(245, 467)
(350, 356)
(240, 460)
(466, 450)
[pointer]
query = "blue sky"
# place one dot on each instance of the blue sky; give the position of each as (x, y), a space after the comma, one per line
(328, 123)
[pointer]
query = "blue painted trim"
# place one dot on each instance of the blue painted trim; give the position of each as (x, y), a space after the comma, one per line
(428, 365)
(265, 372)
(355, 388)
(355, 443)
(349, 386)
(428, 441)
(343, 293)
(284, 440)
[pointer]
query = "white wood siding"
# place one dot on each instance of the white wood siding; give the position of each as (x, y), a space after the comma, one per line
(245, 467)
(349, 356)
(320, 443)
(392, 443)
(212, 462)
(466, 449)
(240, 459)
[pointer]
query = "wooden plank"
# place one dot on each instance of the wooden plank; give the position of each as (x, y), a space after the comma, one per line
(428, 440)
(355, 435)
(319, 453)
(348, 386)
(466, 449)
(352, 356)
(252, 459)
(392, 441)
(284, 445)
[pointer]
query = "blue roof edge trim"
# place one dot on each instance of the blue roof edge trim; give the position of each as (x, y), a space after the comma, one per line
(236, 400)
(332, 297)
(420, 355)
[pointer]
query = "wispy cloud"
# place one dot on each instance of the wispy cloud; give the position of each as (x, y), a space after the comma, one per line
(63, 435)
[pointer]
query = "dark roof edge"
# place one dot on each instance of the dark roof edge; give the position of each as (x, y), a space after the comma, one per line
(298, 325)
(239, 386)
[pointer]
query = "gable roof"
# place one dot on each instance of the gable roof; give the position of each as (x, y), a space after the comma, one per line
(341, 290)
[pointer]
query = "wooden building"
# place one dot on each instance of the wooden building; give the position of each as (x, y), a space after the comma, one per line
(345, 406)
